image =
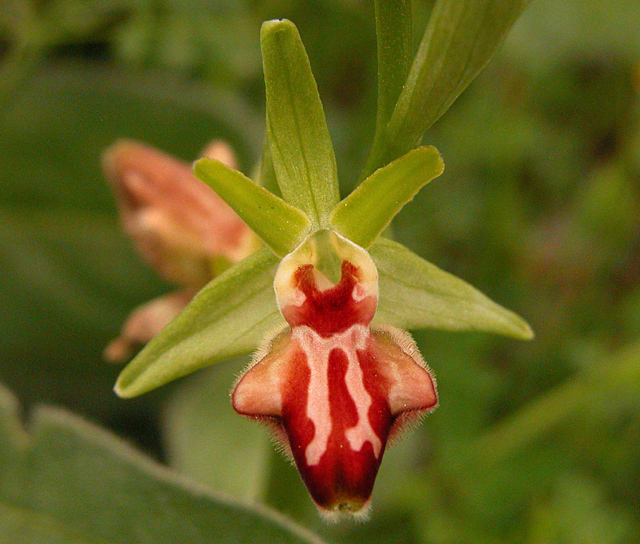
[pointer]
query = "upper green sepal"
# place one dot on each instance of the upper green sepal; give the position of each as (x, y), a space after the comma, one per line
(280, 226)
(299, 141)
(415, 294)
(368, 210)
(230, 316)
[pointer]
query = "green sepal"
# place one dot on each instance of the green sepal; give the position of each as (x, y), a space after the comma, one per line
(368, 210)
(230, 316)
(278, 224)
(415, 294)
(299, 140)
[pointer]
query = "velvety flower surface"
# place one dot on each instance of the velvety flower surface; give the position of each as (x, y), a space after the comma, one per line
(180, 226)
(334, 387)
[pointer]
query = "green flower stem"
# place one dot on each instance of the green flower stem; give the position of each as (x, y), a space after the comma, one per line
(395, 53)
(459, 41)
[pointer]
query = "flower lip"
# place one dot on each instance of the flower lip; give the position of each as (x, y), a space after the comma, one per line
(334, 387)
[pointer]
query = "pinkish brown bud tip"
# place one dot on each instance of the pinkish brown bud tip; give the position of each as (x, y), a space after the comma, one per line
(179, 224)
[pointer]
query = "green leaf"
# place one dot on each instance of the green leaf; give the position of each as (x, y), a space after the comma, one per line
(228, 317)
(72, 482)
(69, 276)
(395, 53)
(415, 294)
(459, 41)
(367, 211)
(208, 441)
(281, 226)
(299, 140)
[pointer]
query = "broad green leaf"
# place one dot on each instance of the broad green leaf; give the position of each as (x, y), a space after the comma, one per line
(228, 317)
(85, 108)
(69, 276)
(460, 39)
(208, 441)
(16, 67)
(367, 211)
(71, 482)
(415, 294)
(299, 140)
(281, 226)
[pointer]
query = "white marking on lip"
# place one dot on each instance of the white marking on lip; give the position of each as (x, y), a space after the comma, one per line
(318, 349)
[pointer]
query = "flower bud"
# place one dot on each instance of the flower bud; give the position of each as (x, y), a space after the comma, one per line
(179, 224)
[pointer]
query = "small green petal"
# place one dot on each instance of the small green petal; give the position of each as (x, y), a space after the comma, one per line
(280, 226)
(415, 294)
(366, 212)
(229, 317)
(299, 140)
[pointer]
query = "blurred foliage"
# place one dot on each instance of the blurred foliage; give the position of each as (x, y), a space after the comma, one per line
(67, 481)
(538, 207)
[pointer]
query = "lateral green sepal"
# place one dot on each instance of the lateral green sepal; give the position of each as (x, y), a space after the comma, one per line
(280, 226)
(369, 209)
(299, 140)
(415, 294)
(230, 316)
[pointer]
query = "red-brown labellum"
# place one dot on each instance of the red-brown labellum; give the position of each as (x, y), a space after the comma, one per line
(335, 387)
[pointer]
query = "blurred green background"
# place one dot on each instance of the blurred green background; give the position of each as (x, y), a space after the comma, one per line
(538, 207)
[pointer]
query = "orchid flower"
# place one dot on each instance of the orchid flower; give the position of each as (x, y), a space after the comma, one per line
(335, 376)
(333, 387)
